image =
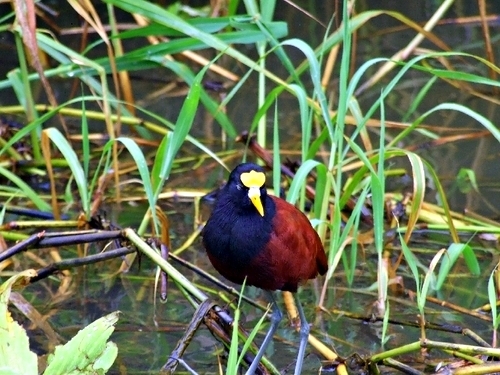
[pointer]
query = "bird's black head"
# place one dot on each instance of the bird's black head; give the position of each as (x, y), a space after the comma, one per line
(246, 187)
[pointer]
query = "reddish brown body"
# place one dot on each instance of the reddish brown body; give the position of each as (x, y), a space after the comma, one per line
(293, 254)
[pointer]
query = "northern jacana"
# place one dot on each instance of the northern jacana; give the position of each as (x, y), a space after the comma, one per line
(266, 240)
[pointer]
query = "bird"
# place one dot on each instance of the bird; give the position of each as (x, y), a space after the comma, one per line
(264, 241)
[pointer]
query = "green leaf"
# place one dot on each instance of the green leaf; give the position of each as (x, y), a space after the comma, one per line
(449, 259)
(207, 25)
(411, 261)
(471, 260)
(305, 122)
(213, 107)
(451, 256)
(15, 355)
(492, 297)
(88, 352)
(85, 142)
(172, 143)
(107, 358)
(315, 71)
(159, 162)
(184, 123)
(419, 184)
(321, 177)
(74, 164)
(428, 280)
(417, 100)
(351, 230)
(300, 178)
(142, 166)
(276, 153)
(466, 180)
(26, 190)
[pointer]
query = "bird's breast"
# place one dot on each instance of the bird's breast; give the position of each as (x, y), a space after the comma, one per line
(235, 238)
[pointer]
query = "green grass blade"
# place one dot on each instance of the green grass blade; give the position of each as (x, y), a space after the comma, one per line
(26, 190)
(232, 359)
(378, 188)
(350, 229)
(300, 178)
(163, 17)
(305, 122)
(159, 165)
(142, 167)
(252, 335)
(492, 297)
(431, 172)
(74, 164)
(419, 183)
(471, 260)
(452, 253)
(315, 72)
(267, 9)
(422, 94)
(428, 279)
(85, 142)
(411, 261)
(492, 128)
(185, 73)
(321, 186)
(263, 108)
(232, 7)
(5, 19)
(276, 153)
(172, 142)
(207, 25)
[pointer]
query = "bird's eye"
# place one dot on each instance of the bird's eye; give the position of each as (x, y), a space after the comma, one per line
(239, 187)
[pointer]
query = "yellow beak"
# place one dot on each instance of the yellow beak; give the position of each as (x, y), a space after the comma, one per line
(254, 195)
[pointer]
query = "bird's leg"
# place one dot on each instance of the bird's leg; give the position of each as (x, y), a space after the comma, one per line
(303, 334)
(276, 317)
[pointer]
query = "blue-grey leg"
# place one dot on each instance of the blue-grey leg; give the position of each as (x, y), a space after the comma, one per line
(303, 334)
(276, 317)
